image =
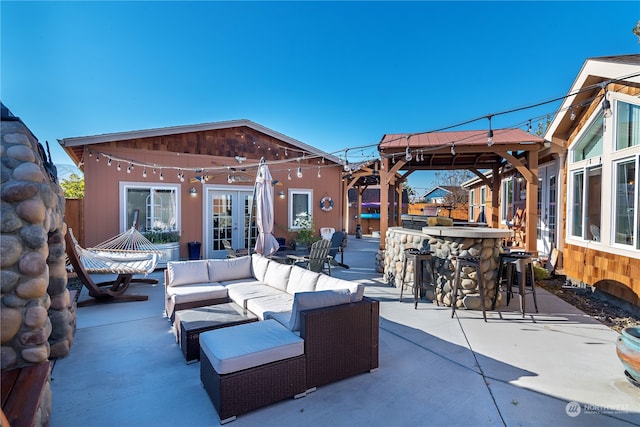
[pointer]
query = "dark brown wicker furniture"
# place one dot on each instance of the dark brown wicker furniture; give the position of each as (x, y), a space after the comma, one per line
(243, 391)
(339, 342)
(190, 323)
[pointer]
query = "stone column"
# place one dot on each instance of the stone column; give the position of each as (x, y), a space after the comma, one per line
(37, 320)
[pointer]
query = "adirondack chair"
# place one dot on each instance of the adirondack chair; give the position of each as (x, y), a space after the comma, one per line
(336, 248)
(518, 225)
(124, 265)
(318, 258)
(233, 253)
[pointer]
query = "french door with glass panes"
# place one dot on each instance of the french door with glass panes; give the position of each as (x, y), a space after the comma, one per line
(547, 208)
(227, 218)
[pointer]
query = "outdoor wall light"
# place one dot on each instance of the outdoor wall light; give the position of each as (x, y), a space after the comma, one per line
(281, 194)
(193, 192)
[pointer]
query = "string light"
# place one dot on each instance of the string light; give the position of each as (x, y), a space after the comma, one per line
(490, 133)
(453, 148)
(319, 176)
(289, 175)
(161, 176)
(144, 172)
(299, 172)
(606, 105)
(118, 167)
(407, 155)
(129, 168)
(419, 155)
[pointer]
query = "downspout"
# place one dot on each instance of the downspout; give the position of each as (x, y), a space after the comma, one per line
(560, 237)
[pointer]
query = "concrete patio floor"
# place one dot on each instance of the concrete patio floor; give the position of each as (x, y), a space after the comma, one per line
(557, 367)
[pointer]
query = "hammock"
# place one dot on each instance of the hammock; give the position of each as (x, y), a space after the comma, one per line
(113, 256)
(129, 241)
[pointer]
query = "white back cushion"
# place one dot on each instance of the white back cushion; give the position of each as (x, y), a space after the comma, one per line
(327, 282)
(187, 272)
(277, 275)
(317, 299)
(259, 266)
(302, 280)
(221, 270)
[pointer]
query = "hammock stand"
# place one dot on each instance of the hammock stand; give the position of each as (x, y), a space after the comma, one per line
(112, 257)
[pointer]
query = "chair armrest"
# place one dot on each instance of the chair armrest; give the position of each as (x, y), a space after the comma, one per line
(340, 341)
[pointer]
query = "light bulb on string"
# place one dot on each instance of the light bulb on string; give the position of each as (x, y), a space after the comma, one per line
(408, 155)
(118, 167)
(490, 133)
(319, 176)
(572, 117)
(606, 105)
(453, 149)
(129, 168)
(289, 175)
(161, 176)
(144, 172)
(109, 162)
(299, 172)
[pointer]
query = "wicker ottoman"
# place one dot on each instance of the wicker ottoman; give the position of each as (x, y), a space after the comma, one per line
(249, 366)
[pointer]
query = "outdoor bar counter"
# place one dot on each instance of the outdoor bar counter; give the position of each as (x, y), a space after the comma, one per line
(445, 243)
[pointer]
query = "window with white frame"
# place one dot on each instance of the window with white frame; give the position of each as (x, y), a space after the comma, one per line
(473, 208)
(603, 172)
(300, 204)
(506, 205)
(626, 201)
(590, 144)
(150, 207)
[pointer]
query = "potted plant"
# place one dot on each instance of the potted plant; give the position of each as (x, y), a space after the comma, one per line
(306, 236)
(162, 236)
(167, 242)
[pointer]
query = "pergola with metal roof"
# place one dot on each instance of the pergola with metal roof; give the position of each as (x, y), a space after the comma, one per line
(403, 154)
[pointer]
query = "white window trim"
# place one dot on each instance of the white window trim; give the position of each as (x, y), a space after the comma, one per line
(125, 185)
(503, 199)
(608, 160)
(291, 192)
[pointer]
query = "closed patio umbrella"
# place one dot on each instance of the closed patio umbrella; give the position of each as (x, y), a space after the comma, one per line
(266, 243)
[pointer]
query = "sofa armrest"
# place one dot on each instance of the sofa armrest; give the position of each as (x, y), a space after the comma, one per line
(340, 341)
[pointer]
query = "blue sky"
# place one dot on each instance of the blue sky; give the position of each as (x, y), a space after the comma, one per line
(333, 75)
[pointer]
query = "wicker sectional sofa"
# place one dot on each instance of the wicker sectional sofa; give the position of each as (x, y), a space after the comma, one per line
(315, 329)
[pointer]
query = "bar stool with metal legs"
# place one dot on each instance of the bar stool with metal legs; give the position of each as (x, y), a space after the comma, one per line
(462, 262)
(516, 268)
(419, 259)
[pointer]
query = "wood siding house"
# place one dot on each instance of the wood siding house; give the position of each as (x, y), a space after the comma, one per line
(198, 180)
(588, 197)
(597, 137)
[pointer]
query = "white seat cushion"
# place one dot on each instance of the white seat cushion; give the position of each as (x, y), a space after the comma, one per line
(197, 292)
(317, 299)
(302, 280)
(221, 270)
(277, 275)
(327, 283)
(187, 272)
(241, 292)
(259, 266)
(241, 347)
(270, 304)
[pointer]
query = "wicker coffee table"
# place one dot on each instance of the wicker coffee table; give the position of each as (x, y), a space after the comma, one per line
(190, 323)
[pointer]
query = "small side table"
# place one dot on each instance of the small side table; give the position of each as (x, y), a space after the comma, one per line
(189, 324)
